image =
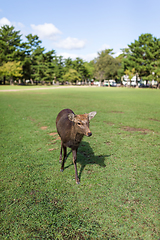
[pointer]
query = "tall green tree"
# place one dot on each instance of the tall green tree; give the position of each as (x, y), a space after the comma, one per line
(71, 76)
(89, 66)
(156, 73)
(38, 64)
(143, 55)
(11, 69)
(68, 64)
(78, 65)
(49, 62)
(122, 65)
(106, 66)
(33, 58)
(11, 47)
(10, 44)
(130, 74)
(59, 68)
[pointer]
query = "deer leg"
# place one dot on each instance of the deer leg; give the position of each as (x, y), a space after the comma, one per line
(60, 157)
(74, 152)
(64, 157)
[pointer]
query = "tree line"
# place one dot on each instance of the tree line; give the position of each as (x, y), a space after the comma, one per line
(21, 61)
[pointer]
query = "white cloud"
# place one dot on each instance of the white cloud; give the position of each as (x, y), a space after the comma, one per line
(4, 21)
(103, 47)
(89, 57)
(71, 43)
(117, 53)
(20, 25)
(106, 46)
(68, 55)
(85, 57)
(46, 30)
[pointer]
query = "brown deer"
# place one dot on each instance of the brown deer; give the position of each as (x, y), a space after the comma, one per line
(71, 129)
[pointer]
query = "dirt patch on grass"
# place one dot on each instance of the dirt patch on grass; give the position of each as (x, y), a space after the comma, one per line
(117, 112)
(51, 149)
(58, 138)
(109, 123)
(153, 119)
(31, 119)
(44, 128)
(53, 134)
(132, 129)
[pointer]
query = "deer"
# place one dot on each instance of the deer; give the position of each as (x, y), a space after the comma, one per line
(71, 129)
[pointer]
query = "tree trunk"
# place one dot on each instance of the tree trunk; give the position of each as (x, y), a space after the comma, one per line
(136, 81)
(4, 80)
(11, 81)
(146, 83)
(122, 81)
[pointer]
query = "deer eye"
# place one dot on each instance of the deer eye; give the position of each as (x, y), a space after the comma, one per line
(79, 123)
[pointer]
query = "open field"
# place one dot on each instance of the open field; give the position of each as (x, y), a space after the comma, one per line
(118, 166)
(9, 88)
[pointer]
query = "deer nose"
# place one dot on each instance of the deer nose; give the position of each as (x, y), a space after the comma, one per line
(89, 134)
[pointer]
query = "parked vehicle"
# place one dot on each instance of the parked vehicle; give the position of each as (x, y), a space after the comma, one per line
(111, 83)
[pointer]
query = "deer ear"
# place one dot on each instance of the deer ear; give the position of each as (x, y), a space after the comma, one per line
(91, 115)
(71, 117)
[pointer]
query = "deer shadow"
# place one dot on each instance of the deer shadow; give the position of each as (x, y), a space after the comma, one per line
(85, 156)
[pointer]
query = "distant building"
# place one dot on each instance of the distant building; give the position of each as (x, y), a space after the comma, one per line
(126, 81)
(111, 83)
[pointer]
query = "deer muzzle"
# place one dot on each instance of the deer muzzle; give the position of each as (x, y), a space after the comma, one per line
(89, 134)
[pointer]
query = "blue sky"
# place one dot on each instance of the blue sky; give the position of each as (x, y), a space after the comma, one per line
(81, 28)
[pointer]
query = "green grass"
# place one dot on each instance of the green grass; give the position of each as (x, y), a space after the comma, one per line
(118, 166)
(25, 87)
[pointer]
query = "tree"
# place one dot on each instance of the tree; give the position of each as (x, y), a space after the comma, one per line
(10, 44)
(89, 69)
(156, 73)
(122, 65)
(11, 48)
(33, 64)
(68, 64)
(71, 76)
(11, 69)
(143, 55)
(49, 62)
(78, 65)
(130, 74)
(59, 69)
(106, 66)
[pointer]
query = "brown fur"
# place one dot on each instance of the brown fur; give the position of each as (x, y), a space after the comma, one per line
(71, 129)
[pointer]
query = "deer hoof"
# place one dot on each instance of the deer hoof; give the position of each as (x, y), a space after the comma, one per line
(61, 170)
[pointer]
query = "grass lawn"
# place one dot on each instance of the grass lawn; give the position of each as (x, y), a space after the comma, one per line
(25, 87)
(118, 165)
